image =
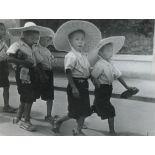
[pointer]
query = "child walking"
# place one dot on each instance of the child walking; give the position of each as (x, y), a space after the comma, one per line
(4, 69)
(24, 53)
(47, 87)
(77, 38)
(103, 75)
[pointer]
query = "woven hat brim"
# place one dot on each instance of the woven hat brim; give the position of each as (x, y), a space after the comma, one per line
(47, 33)
(18, 31)
(9, 23)
(7, 36)
(92, 35)
(117, 41)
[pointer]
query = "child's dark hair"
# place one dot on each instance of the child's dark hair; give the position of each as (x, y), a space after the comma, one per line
(105, 45)
(77, 31)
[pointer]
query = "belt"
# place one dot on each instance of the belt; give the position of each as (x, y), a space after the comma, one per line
(81, 80)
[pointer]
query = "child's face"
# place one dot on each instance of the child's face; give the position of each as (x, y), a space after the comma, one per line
(45, 41)
(2, 30)
(32, 37)
(106, 52)
(77, 41)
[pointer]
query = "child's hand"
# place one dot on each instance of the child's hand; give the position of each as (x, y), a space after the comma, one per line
(95, 82)
(75, 92)
(132, 88)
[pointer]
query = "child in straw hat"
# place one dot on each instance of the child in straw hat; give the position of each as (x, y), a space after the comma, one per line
(4, 69)
(103, 75)
(47, 88)
(77, 38)
(24, 53)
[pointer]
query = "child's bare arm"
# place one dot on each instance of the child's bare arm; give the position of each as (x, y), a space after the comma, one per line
(95, 82)
(71, 82)
(121, 80)
(16, 61)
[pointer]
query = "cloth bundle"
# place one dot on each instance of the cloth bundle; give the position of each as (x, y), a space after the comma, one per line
(128, 93)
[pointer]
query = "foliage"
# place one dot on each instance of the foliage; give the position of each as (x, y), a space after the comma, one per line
(138, 32)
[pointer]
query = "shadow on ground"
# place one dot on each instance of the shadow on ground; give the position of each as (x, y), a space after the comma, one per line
(105, 133)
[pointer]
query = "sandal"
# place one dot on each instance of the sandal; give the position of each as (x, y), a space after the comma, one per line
(49, 119)
(9, 109)
(84, 126)
(28, 126)
(16, 120)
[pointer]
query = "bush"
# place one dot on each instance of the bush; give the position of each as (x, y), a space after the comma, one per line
(138, 32)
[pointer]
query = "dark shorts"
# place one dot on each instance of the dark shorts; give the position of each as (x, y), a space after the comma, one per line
(4, 74)
(79, 107)
(102, 103)
(47, 89)
(26, 91)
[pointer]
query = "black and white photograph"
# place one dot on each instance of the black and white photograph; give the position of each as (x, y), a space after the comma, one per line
(77, 77)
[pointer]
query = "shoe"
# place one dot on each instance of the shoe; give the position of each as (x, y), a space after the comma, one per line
(129, 93)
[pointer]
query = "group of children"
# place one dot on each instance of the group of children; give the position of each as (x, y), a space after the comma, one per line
(88, 56)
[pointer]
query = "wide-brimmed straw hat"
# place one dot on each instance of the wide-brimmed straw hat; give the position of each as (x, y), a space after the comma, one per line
(116, 41)
(9, 23)
(28, 26)
(47, 33)
(92, 35)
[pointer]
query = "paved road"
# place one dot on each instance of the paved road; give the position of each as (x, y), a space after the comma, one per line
(133, 117)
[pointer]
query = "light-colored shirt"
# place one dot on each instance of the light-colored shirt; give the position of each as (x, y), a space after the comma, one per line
(47, 56)
(78, 63)
(31, 53)
(105, 72)
(3, 49)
